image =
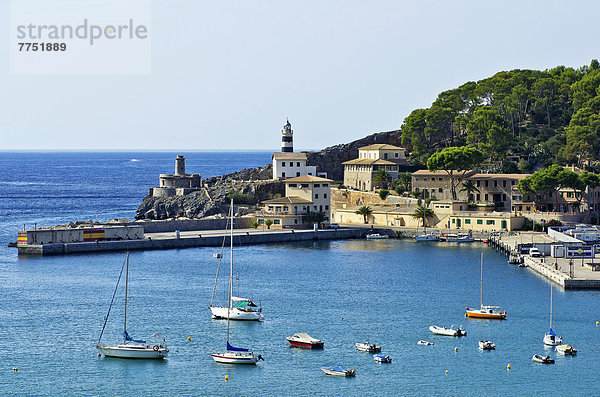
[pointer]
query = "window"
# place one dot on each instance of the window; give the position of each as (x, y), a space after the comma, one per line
(293, 185)
(310, 173)
(317, 185)
(297, 174)
(326, 185)
(321, 208)
(467, 221)
(304, 185)
(261, 221)
(297, 164)
(324, 195)
(504, 197)
(486, 197)
(490, 222)
(480, 221)
(504, 183)
(316, 196)
(283, 163)
(486, 184)
(270, 208)
(569, 194)
(283, 174)
(295, 221)
(385, 156)
(478, 196)
(513, 183)
(478, 183)
(396, 154)
(495, 183)
(441, 190)
(440, 179)
(277, 221)
(285, 208)
(326, 208)
(315, 207)
(453, 220)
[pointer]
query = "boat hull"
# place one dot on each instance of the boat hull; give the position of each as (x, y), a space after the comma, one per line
(566, 350)
(348, 372)
(427, 237)
(306, 345)
(235, 314)
(366, 347)
(447, 331)
(235, 358)
(127, 352)
(485, 314)
(542, 360)
(381, 358)
(551, 340)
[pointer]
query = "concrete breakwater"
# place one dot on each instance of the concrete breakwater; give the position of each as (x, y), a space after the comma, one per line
(198, 238)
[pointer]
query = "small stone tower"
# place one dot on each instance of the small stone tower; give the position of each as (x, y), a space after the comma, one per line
(287, 138)
(180, 165)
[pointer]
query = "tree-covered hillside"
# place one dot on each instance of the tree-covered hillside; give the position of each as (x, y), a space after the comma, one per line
(544, 117)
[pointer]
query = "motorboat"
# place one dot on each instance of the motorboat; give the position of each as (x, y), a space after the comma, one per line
(484, 312)
(464, 238)
(424, 343)
(304, 340)
(550, 338)
(377, 236)
(542, 359)
(566, 349)
(241, 309)
(131, 348)
(339, 370)
(447, 331)
(233, 355)
(457, 238)
(427, 237)
(487, 345)
(382, 358)
(367, 347)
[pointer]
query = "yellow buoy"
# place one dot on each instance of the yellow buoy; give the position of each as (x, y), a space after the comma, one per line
(189, 338)
(226, 377)
(456, 349)
(508, 366)
(446, 372)
(99, 354)
(597, 322)
(15, 368)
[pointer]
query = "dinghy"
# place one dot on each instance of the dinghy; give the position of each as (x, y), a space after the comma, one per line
(542, 359)
(566, 350)
(447, 331)
(382, 358)
(487, 345)
(338, 370)
(367, 347)
(424, 343)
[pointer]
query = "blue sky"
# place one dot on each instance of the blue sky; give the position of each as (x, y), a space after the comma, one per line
(225, 75)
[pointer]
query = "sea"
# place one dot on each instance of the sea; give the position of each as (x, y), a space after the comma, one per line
(388, 292)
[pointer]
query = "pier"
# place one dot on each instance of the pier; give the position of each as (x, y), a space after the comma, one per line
(569, 273)
(188, 239)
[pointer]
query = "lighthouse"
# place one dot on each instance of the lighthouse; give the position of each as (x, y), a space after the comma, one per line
(287, 138)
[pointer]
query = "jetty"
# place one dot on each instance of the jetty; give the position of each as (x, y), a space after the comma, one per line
(568, 272)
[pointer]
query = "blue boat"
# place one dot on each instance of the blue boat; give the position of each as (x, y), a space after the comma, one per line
(382, 358)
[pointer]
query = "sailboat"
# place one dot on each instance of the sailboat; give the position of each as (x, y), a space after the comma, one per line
(131, 348)
(485, 312)
(551, 339)
(237, 308)
(425, 236)
(233, 355)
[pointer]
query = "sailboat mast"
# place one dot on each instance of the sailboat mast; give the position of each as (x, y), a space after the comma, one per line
(481, 283)
(550, 305)
(230, 269)
(126, 289)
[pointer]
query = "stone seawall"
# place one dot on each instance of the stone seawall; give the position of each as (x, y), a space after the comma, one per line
(173, 242)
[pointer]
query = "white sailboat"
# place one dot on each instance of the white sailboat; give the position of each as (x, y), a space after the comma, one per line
(238, 308)
(484, 312)
(425, 236)
(551, 339)
(131, 348)
(233, 355)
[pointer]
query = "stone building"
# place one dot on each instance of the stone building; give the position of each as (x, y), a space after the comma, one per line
(287, 164)
(359, 173)
(177, 184)
(303, 194)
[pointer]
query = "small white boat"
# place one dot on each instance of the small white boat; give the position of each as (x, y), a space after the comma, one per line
(487, 345)
(457, 238)
(241, 309)
(382, 358)
(542, 359)
(566, 349)
(131, 348)
(304, 340)
(338, 370)
(447, 331)
(367, 347)
(427, 237)
(377, 236)
(424, 343)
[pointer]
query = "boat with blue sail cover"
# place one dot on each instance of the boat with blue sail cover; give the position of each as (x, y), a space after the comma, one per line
(339, 370)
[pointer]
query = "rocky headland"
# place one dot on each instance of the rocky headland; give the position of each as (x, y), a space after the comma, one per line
(250, 186)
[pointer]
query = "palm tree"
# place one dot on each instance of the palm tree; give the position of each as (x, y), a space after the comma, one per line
(365, 211)
(469, 187)
(404, 180)
(315, 217)
(381, 176)
(268, 223)
(422, 213)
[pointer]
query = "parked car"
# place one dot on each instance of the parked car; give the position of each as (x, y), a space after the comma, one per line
(333, 226)
(535, 252)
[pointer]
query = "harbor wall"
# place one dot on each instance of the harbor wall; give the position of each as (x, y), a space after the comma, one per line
(246, 238)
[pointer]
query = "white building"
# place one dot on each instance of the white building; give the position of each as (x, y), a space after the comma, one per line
(287, 164)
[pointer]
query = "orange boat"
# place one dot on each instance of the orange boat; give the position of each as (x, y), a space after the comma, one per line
(485, 312)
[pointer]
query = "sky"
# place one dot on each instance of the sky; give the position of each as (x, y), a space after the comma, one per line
(227, 74)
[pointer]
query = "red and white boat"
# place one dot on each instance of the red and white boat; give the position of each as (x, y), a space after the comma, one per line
(484, 312)
(304, 340)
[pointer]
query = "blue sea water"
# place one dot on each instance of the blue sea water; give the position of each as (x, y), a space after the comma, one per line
(343, 292)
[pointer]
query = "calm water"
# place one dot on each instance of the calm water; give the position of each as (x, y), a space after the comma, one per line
(342, 292)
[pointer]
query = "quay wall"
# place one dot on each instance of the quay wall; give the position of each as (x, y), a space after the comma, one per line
(247, 238)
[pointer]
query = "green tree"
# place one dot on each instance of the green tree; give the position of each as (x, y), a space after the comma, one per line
(383, 193)
(489, 132)
(255, 224)
(456, 161)
(365, 211)
(422, 213)
(381, 177)
(315, 217)
(268, 223)
(469, 187)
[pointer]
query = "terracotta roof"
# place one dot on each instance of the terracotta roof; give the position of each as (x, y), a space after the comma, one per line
(289, 156)
(499, 176)
(370, 162)
(288, 200)
(440, 173)
(381, 146)
(307, 178)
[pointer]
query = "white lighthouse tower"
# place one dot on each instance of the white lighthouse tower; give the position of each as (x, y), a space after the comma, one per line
(287, 138)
